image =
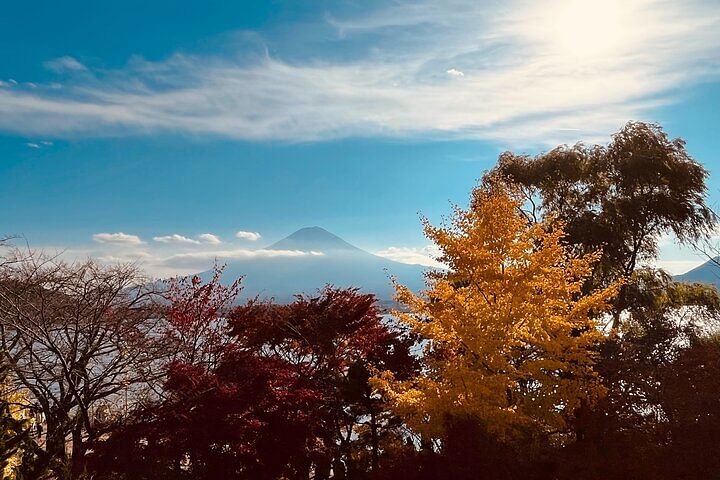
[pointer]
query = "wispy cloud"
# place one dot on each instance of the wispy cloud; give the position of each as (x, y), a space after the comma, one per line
(119, 238)
(677, 267)
(64, 64)
(531, 71)
(40, 144)
(124, 257)
(413, 255)
(250, 236)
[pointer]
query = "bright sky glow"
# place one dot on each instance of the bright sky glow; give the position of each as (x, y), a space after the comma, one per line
(588, 29)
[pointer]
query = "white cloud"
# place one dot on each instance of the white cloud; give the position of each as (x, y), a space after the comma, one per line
(201, 259)
(209, 238)
(540, 68)
(413, 255)
(175, 238)
(454, 72)
(250, 236)
(105, 253)
(162, 261)
(117, 238)
(64, 64)
(240, 253)
(124, 257)
(677, 267)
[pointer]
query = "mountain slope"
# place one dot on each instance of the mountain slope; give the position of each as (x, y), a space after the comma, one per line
(340, 264)
(708, 272)
(314, 239)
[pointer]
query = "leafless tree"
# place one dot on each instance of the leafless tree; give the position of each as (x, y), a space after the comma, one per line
(76, 336)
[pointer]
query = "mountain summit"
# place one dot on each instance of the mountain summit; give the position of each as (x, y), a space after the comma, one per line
(315, 239)
(708, 272)
(333, 262)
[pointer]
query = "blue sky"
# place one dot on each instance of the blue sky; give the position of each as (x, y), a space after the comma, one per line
(163, 121)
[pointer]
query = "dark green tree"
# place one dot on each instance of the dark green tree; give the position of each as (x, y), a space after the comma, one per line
(659, 366)
(620, 198)
(661, 416)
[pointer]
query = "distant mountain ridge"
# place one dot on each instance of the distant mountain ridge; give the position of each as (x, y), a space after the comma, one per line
(708, 272)
(332, 261)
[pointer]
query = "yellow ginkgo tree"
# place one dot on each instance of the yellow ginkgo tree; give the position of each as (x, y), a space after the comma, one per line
(509, 335)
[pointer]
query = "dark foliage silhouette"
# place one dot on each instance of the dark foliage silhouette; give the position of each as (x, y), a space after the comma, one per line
(327, 387)
(287, 395)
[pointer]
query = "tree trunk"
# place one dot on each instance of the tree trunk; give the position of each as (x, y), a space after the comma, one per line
(322, 469)
(54, 440)
(79, 447)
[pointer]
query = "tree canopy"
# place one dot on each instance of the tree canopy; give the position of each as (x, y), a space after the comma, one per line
(618, 198)
(510, 336)
(550, 348)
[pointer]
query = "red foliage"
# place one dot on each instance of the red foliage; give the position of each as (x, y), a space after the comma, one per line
(334, 340)
(275, 393)
(322, 334)
(196, 316)
(250, 418)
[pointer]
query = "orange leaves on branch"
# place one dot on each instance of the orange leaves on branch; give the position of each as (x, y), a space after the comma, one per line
(509, 334)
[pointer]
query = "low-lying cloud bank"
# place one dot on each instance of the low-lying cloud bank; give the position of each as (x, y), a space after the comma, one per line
(426, 256)
(190, 259)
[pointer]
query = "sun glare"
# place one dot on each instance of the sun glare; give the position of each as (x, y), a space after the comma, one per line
(578, 28)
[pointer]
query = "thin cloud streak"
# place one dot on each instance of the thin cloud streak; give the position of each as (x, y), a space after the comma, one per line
(65, 64)
(202, 259)
(515, 80)
(240, 253)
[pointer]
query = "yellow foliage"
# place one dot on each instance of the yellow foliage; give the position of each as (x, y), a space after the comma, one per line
(15, 400)
(509, 335)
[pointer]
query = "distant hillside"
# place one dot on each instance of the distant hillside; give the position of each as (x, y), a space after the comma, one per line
(341, 264)
(708, 272)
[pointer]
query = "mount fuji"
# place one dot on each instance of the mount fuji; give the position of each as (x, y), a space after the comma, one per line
(708, 272)
(327, 259)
